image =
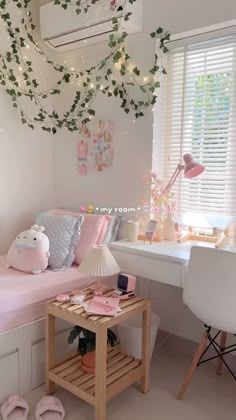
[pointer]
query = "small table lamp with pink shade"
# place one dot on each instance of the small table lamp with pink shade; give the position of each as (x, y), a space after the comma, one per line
(99, 263)
(191, 170)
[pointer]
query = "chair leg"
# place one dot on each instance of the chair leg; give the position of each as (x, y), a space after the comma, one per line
(193, 366)
(222, 347)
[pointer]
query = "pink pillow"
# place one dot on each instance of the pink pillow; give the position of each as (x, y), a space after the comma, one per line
(104, 229)
(92, 230)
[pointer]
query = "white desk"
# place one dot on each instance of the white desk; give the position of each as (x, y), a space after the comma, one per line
(162, 261)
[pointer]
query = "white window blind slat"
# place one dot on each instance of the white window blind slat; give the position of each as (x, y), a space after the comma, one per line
(199, 117)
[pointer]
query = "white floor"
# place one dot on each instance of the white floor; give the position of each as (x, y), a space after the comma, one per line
(209, 397)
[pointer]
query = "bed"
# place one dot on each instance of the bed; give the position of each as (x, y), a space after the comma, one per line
(22, 309)
(23, 296)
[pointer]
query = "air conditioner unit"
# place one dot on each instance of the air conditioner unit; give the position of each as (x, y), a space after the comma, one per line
(64, 30)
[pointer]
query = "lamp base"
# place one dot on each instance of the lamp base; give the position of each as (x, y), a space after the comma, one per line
(98, 289)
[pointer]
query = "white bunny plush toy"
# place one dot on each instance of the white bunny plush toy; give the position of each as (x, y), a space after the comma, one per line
(30, 251)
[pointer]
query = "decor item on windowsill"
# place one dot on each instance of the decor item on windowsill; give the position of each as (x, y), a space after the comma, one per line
(162, 210)
(114, 75)
(132, 228)
(150, 231)
(87, 346)
(99, 263)
(216, 229)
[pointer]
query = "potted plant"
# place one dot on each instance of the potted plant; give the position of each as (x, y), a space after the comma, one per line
(87, 345)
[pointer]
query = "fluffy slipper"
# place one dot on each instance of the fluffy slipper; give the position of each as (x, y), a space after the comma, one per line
(15, 408)
(50, 408)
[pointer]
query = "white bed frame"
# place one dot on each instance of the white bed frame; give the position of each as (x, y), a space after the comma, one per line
(22, 354)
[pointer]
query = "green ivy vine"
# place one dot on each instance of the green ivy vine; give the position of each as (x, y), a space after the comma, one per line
(96, 79)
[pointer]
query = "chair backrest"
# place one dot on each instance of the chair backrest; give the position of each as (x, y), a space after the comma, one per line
(210, 287)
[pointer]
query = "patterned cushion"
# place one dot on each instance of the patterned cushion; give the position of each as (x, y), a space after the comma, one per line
(90, 232)
(63, 233)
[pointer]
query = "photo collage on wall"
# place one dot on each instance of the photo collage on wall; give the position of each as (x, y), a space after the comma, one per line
(95, 147)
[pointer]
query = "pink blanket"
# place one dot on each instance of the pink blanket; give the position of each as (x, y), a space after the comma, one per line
(23, 296)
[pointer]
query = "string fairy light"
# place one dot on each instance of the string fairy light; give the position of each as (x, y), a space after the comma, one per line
(117, 84)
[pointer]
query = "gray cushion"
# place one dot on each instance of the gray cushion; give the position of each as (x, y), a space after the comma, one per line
(112, 228)
(63, 232)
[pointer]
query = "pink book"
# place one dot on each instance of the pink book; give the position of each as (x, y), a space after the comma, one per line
(102, 305)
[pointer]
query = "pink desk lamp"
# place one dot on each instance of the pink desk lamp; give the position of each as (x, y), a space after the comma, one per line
(191, 170)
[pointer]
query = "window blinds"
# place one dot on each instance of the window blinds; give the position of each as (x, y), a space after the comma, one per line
(199, 117)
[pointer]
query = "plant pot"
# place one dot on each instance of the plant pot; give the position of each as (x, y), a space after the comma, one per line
(88, 362)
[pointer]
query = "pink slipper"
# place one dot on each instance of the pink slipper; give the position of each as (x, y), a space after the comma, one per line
(15, 408)
(50, 408)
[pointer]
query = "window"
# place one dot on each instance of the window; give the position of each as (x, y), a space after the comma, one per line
(199, 117)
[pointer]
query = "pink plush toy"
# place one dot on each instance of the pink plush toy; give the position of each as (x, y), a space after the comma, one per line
(30, 251)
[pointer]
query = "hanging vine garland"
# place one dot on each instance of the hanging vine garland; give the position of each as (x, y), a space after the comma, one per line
(16, 65)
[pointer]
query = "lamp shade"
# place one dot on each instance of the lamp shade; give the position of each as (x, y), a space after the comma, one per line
(191, 168)
(99, 262)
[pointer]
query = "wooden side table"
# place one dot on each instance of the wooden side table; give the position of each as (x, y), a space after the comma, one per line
(115, 370)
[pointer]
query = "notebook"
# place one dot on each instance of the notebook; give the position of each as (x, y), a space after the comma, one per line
(102, 305)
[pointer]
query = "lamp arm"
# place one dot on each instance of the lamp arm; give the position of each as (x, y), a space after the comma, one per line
(173, 178)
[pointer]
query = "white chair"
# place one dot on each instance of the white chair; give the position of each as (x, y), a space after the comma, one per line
(210, 294)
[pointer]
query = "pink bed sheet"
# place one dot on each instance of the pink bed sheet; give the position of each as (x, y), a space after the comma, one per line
(23, 296)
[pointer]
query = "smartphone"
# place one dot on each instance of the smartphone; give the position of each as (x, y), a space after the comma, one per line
(150, 230)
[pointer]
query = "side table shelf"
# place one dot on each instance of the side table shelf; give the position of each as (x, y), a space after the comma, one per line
(115, 370)
(122, 371)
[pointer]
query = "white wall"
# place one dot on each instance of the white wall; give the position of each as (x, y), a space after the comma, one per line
(124, 186)
(25, 172)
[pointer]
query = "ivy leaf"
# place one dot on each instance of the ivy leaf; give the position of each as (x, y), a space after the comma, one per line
(117, 57)
(35, 83)
(136, 71)
(48, 129)
(66, 77)
(153, 101)
(127, 16)
(123, 69)
(116, 91)
(114, 20)
(154, 69)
